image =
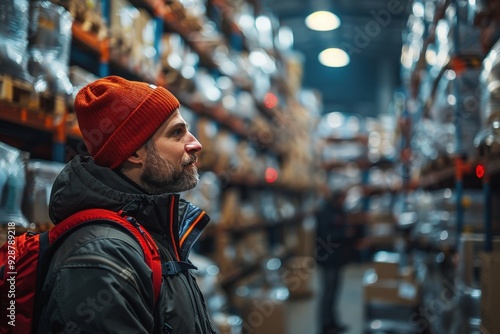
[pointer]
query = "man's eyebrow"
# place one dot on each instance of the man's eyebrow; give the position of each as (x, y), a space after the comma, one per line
(178, 124)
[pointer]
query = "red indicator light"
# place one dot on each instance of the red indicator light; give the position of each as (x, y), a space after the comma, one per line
(271, 175)
(480, 171)
(270, 101)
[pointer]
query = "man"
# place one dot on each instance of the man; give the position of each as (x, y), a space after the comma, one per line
(141, 155)
(331, 254)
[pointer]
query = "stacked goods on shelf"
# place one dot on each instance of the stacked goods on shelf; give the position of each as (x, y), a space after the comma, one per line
(343, 140)
(449, 276)
(79, 78)
(465, 37)
(191, 17)
(381, 137)
(489, 104)
(470, 273)
(14, 39)
(49, 48)
(358, 156)
(16, 84)
(265, 298)
(392, 295)
(455, 113)
(299, 276)
(470, 249)
(87, 14)
(37, 52)
(25, 186)
(132, 40)
(178, 63)
(451, 95)
(490, 274)
(299, 161)
(264, 308)
(441, 56)
(381, 232)
(40, 175)
(227, 323)
(12, 183)
(436, 215)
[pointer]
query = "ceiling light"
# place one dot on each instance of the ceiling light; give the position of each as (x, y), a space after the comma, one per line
(334, 57)
(322, 21)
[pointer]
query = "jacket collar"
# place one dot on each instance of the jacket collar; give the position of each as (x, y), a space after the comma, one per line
(83, 185)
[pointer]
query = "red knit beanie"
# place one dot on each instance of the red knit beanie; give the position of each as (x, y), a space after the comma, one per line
(117, 116)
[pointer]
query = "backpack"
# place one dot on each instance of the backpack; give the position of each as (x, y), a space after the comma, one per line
(24, 261)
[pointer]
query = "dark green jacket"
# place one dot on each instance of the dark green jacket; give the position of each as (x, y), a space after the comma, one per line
(98, 281)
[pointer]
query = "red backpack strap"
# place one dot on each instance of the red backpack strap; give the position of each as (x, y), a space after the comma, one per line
(149, 247)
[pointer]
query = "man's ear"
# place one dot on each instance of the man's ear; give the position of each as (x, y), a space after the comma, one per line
(135, 158)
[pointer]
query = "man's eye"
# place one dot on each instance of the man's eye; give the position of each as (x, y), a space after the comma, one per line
(176, 132)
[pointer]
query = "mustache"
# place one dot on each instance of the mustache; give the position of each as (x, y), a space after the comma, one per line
(192, 159)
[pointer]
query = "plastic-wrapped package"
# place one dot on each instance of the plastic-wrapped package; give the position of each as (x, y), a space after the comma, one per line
(469, 35)
(40, 178)
(227, 323)
(49, 47)
(455, 111)
(178, 62)
(80, 78)
(207, 90)
(14, 21)
(12, 183)
(489, 88)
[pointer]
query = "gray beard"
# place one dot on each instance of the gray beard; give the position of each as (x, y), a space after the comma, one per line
(161, 176)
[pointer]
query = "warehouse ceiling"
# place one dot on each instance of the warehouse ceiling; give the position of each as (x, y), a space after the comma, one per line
(371, 33)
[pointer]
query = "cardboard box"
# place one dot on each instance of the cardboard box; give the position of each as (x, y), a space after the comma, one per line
(386, 270)
(357, 218)
(386, 265)
(298, 276)
(381, 218)
(263, 313)
(306, 234)
(490, 292)
(392, 292)
(471, 247)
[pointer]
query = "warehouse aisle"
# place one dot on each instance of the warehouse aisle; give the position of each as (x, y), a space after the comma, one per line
(302, 315)
(351, 299)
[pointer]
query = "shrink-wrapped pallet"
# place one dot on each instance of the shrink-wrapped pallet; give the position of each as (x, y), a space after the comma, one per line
(49, 47)
(14, 38)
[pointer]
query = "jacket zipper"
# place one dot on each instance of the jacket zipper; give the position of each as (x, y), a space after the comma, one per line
(188, 289)
(189, 292)
(172, 222)
(202, 304)
(185, 242)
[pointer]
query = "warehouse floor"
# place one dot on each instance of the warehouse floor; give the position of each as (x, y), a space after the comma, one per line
(302, 316)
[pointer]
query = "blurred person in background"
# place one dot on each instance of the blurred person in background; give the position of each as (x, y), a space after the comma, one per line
(332, 252)
(141, 156)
